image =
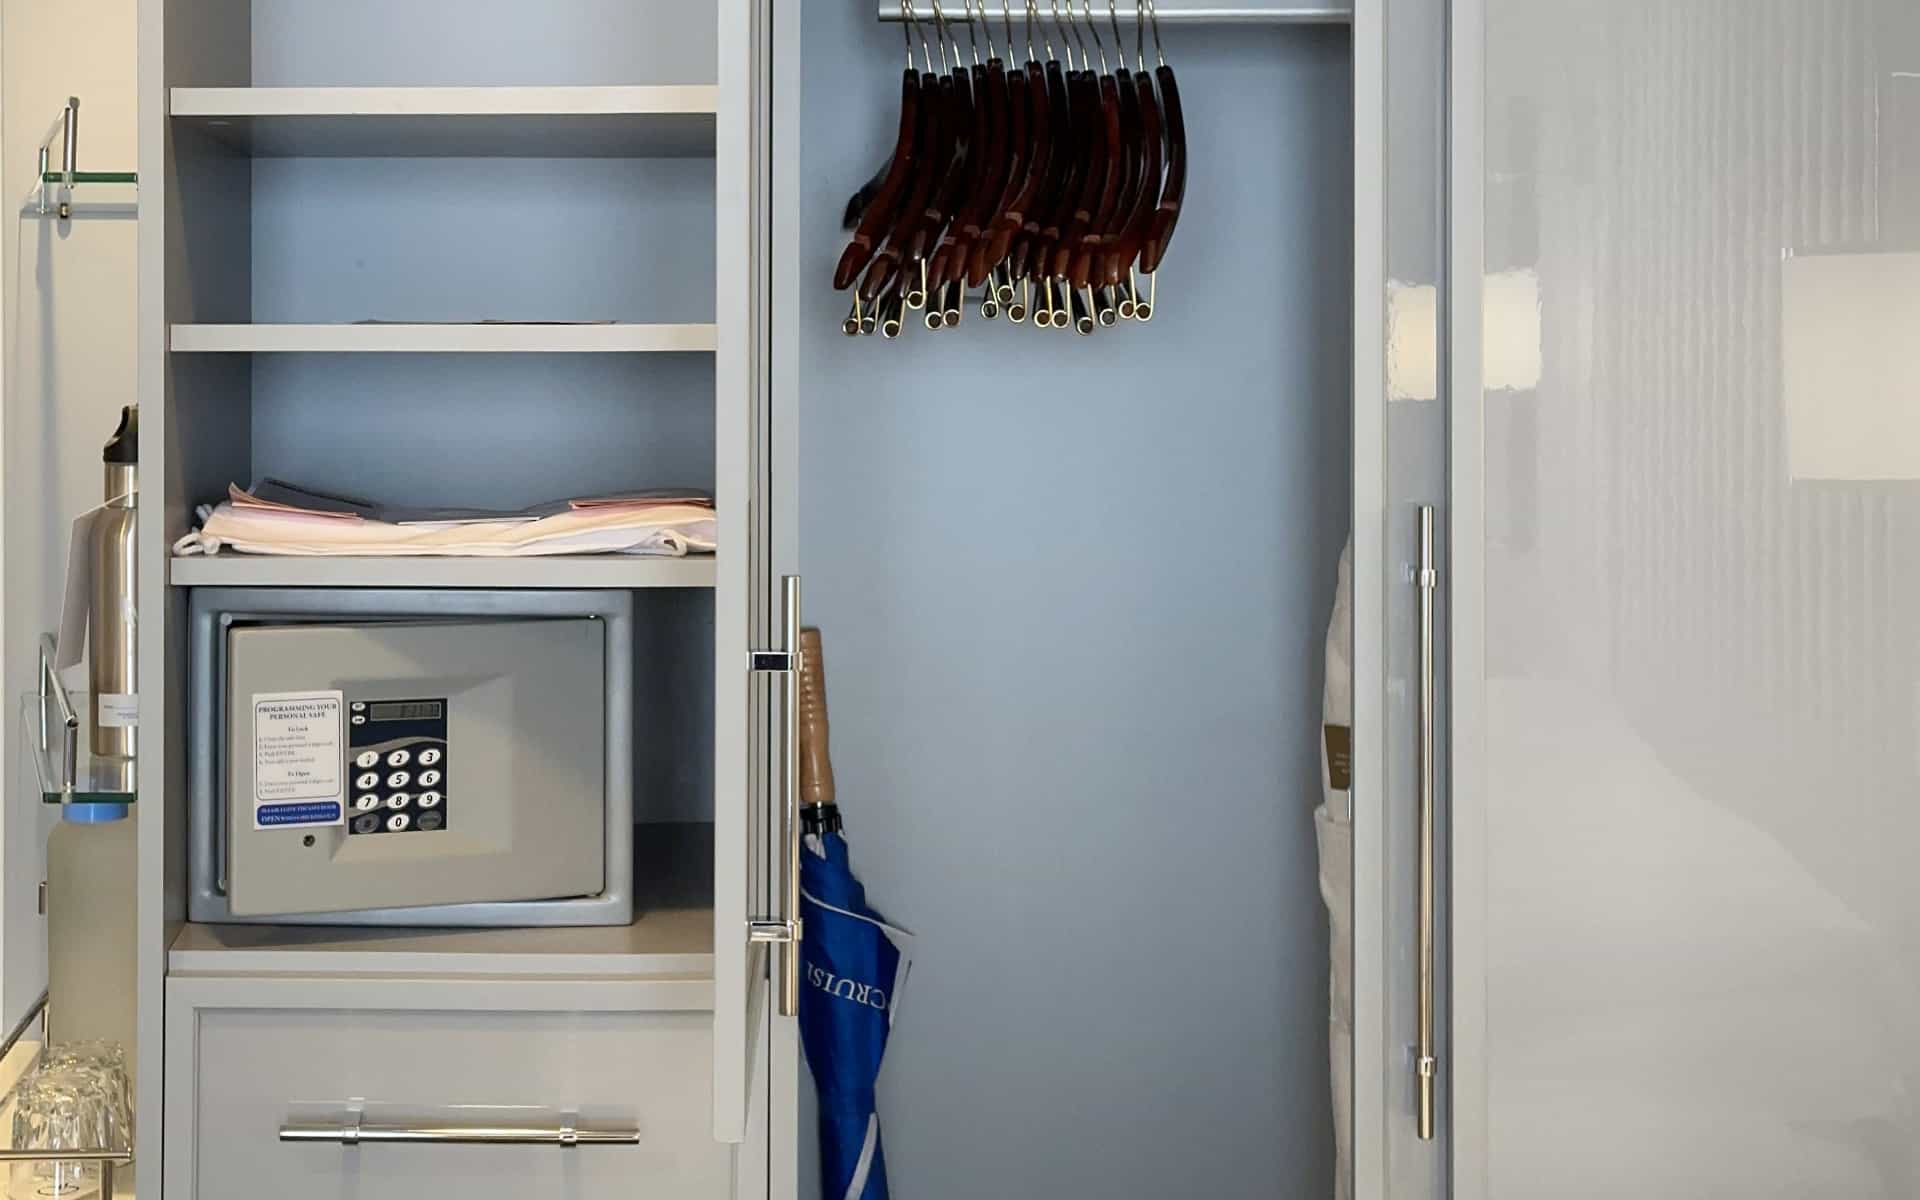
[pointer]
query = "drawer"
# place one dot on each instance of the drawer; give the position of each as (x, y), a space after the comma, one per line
(246, 1058)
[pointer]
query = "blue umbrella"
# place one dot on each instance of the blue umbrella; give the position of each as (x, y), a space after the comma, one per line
(854, 965)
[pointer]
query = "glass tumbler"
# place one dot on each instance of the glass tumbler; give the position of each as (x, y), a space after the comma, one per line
(101, 1053)
(66, 1108)
(105, 1062)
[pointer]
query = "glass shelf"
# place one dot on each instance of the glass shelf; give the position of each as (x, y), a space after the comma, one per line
(102, 780)
(14, 1069)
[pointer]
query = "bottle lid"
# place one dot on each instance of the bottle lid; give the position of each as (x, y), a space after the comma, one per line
(124, 446)
(92, 813)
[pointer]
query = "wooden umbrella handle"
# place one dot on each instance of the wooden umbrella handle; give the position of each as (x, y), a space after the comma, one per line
(816, 756)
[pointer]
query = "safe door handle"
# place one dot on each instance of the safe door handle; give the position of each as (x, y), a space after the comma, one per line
(1426, 1062)
(359, 1133)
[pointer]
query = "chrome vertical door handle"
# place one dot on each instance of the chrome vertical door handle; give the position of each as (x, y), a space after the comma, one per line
(784, 928)
(1426, 1064)
(790, 802)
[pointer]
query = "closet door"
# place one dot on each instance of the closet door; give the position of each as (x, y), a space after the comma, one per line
(749, 609)
(1686, 545)
(1399, 472)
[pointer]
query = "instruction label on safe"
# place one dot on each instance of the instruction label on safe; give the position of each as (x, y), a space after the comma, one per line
(299, 760)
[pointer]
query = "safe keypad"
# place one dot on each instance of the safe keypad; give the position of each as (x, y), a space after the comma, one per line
(398, 754)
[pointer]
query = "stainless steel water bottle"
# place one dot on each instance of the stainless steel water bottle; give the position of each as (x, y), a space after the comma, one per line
(112, 631)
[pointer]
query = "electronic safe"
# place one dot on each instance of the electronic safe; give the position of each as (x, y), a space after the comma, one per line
(411, 757)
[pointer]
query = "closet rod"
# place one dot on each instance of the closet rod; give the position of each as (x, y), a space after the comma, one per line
(1181, 12)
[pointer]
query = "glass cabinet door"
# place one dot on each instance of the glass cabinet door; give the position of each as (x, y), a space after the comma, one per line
(1686, 651)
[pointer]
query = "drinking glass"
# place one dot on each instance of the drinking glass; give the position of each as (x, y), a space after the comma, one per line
(100, 1053)
(67, 1108)
(106, 1063)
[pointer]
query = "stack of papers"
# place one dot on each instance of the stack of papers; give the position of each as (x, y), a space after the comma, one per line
(272, 517)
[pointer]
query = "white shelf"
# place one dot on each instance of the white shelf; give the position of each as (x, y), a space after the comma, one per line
(558, 571)
(455, 122)
(488, 338)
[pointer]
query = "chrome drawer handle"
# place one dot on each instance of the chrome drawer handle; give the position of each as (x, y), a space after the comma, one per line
(358, 1133)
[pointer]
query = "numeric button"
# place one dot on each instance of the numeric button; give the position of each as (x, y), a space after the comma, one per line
(430, 756)
(399, 758)
(370, 779)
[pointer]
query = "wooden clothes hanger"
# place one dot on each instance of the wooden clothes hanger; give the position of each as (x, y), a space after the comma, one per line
(1097, 202)
(1153, 248)
(1009, 243)
(978, 183)
(983, 265)
(936, 146)
(1009, 177)
(1125, 251)
(882, 203)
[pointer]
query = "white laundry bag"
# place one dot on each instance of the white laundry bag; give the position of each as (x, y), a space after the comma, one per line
(1333, 829)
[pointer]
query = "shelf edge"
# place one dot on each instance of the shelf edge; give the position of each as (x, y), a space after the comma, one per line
(636, 338)
(553, 571)
(561, 101)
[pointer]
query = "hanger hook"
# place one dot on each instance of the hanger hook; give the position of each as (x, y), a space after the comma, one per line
(1153, 14)
(1006, 11)
(913, 27)
(1094, 29)
(973, 30)
(1119, 46)
(1033, 11)
(940, 35)
(1069, 29)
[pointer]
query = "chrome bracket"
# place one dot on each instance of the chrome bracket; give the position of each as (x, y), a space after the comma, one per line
(785, 933)
(773, 662)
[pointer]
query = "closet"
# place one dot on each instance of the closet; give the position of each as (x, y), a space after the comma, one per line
(1074, 592)
(1613, 298)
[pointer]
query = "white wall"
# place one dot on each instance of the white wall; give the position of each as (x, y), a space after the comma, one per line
(69, 366)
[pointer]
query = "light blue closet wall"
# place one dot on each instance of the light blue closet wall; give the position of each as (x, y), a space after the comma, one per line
(1074, 593)
(448, 239)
